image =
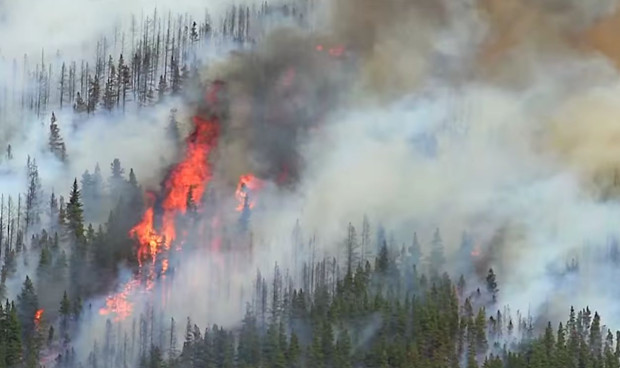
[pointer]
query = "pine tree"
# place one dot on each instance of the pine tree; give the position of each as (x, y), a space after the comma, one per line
(343, 350)
(28, 304)
(124, 81)
(173, 127)
(110, 97)
(437, 258)
(415, 251)
(80, 105)
(492, 285)
(351, 247)
(596, 339)
(117, 179)
(56, 144)
(12, 336)
(293, 351)
(190, 203)
(75, 220)
(63, 76)
(161, 88)
(382, 263)
(194, 32)
(94, 91)
(87, 187)
(177, 80)
(65, 315)
(549, 342)
(33, 194)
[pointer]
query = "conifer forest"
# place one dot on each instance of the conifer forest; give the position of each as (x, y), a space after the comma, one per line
(309, 183)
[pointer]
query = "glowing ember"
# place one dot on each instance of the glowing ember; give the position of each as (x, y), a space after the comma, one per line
(246, 183)
(336, 51)
(212, 94)
(164, 266)
(475, 252)
(283, 176)
(288, 78)
(37, 317)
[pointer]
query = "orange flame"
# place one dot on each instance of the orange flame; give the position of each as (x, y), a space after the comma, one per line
(247, 183)
(37, 316)
(146, 235)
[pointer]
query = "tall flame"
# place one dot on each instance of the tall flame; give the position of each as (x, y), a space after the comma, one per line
(190, 176)
(187, 182)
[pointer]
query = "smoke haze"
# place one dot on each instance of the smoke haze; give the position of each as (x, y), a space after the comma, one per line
(499, 118)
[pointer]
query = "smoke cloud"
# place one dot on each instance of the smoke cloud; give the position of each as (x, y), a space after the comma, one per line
(519, 140)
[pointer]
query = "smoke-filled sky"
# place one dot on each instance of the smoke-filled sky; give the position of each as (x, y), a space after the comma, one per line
(500, 118)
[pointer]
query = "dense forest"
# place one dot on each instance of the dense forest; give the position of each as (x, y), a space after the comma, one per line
(379, 313)
(376, 304)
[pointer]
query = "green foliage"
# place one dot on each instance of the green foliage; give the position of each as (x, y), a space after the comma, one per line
(74, 214)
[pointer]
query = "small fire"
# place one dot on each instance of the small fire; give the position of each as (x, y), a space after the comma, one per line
(37, 317)
(247, 183)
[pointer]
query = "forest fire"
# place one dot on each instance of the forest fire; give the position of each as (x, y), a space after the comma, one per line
(246, 184)
(184, 186)
(183, 189)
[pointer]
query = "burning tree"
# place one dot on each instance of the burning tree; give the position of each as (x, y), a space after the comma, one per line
(187, 180)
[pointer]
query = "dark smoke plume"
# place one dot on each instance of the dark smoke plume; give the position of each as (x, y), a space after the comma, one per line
(273, 98)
